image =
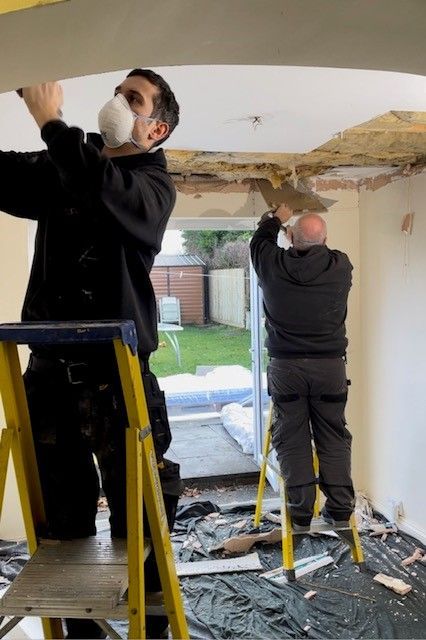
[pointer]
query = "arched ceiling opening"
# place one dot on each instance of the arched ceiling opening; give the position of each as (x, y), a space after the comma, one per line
(306, 86)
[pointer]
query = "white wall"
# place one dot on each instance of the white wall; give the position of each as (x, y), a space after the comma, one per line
(393, 305)
(14, 270)
(343, 233)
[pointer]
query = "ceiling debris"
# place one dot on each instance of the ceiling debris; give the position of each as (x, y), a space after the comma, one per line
(393, 140)
(302, 199)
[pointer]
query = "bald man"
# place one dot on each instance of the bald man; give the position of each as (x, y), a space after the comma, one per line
(305, 292)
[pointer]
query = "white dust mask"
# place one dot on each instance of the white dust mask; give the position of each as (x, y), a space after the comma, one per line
(116, 121)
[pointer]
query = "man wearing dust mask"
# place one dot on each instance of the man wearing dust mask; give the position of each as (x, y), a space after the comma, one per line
(102, 207)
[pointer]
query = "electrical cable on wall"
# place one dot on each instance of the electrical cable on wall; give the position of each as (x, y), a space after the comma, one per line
(407, 230)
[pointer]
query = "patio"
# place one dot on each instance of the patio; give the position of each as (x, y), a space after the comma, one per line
(204, 449)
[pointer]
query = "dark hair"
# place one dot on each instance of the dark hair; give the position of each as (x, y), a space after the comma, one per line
(166, 107)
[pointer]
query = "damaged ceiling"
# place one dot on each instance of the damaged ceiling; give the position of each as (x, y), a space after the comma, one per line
(393, 140)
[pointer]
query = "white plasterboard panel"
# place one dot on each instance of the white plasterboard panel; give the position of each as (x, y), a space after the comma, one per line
(90, 36)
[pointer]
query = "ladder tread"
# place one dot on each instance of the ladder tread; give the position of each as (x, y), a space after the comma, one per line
(319, 525)
(85, 578)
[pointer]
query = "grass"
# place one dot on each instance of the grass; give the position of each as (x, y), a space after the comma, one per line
(207, 345)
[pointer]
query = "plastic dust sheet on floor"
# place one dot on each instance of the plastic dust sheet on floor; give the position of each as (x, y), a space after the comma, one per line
(245, 605)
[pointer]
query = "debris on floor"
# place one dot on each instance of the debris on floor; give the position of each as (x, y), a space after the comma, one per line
(243, 543)
(348, 602)
(302, 567)
(396, 584)
(419, 554)
(191, 492)
(383, 529)
(249, 562)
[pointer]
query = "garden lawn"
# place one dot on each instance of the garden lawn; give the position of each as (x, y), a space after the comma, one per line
(207, 345)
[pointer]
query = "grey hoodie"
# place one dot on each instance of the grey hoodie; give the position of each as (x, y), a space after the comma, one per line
(305, 296)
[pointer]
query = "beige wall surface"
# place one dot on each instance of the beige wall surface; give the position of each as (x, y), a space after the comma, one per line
(393, 303)
(14, 269)
(343, 234)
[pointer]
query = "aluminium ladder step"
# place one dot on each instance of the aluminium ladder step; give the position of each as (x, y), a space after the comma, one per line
(84, 578)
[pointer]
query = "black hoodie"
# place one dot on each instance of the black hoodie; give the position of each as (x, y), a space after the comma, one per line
(305, 296)
(100, 224)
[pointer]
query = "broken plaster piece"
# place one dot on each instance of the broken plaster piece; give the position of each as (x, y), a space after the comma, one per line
(417, 555)
(399, 586)
(310, 594)
(242, 544)
(380, 529)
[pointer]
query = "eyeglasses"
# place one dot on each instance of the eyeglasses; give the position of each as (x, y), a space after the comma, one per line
(147, 119)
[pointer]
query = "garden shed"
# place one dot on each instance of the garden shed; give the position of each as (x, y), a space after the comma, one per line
(184, 277)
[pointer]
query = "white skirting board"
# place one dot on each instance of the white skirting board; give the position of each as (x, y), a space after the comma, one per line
(403, 523)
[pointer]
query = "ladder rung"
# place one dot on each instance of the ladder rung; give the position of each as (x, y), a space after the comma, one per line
(318, 525)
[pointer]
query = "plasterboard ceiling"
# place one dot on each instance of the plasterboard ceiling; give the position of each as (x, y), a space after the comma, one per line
(79, 37)
(284, 110)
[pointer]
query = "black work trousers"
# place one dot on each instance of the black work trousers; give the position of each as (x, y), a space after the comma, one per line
(70, 423)
(309, 397)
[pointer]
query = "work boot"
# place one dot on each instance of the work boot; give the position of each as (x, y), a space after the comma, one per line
(157, 627)
(300, 528)
(340, 524)
(83, 629)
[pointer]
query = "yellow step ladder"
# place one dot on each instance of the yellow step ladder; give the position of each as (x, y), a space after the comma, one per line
(91, 578)
(347, 534)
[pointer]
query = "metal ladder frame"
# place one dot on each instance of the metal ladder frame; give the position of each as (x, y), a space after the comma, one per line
(349, 535)
(142, 479)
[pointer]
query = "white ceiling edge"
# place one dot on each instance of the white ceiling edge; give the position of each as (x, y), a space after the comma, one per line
(300, 108)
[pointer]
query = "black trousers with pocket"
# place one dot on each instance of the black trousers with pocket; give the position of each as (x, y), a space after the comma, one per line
(70, 423)
(309, 397)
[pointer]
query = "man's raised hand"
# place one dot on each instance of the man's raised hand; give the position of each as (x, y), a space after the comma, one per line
(284, 213)
(44, 101)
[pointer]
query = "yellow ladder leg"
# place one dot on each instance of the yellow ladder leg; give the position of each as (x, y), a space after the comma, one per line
(262, 476)
(356, 548)
(5, 448)
(143, 456)
(135, 534)
(24, 459)
(317, 489)
(286, 534)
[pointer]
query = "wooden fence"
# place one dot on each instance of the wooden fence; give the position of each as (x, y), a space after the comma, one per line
(227, 297)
